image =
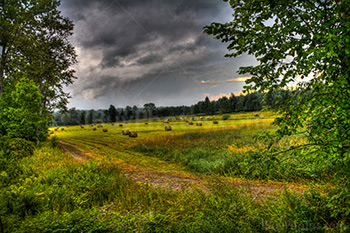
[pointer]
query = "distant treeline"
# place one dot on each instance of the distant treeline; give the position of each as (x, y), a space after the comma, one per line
(242, 103)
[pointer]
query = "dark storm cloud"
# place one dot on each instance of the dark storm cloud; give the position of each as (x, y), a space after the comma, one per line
(153, 47)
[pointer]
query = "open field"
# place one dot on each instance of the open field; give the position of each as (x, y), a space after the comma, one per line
(209, 178)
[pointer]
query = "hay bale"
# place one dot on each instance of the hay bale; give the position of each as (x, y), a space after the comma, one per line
(125, 132)
(133, 134)
(199, 124)
(94, 129)
(215, 122)
(112, 123)
(51, 132)
(120, 125)
(190, 123)
(166, 122)
(55, 129)
(62, 129)
(105, 130)
(82, 127)
(168, 128)
(146, 123)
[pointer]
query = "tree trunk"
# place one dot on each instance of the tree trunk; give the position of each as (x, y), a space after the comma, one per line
(2, 68)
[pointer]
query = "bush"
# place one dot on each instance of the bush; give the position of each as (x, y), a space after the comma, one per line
(225, 117)
(54, 141)
(18, 148)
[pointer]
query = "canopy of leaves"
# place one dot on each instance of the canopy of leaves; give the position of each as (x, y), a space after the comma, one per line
(304, 44)
(34, 42)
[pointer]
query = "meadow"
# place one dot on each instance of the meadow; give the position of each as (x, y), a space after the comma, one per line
(209, 178)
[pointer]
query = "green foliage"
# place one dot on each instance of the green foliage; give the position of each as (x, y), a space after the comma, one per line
(22, 114)
(225, 117)
(18, 148)
(34, 43)
(300, 43)
(52, 192)
(11, 152)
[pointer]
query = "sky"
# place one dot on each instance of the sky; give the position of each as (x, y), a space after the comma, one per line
(132, 52)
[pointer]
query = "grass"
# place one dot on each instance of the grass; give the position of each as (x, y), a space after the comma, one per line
(113, 189)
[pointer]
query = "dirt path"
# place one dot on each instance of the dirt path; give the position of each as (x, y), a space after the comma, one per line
(183, 181)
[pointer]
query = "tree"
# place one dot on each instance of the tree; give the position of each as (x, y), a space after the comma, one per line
(91, 116)
(21, 112)
(301, 43)
(206, 105)
(128, 112)
(105, 115)
(225, 106)
(112, 111)
(82, 117)
(34, 42)
(233, 102)
(150, 109)
(134, 111)
(73, 116)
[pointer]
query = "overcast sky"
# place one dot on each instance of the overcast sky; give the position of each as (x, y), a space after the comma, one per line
(133, 52)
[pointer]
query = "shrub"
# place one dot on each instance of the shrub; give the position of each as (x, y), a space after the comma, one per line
(225, 117)
(18, 148)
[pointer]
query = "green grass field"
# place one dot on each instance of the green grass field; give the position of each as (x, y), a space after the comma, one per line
(209, 178)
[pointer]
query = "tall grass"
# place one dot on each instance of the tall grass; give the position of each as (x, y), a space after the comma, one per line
(236, 153)
(62, 195)
(51, 192)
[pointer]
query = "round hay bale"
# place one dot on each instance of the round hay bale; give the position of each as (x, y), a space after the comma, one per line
(51, 132)
(125, 132)
(120, 125)
(94, 129)
(166, 122)
(146, 123)
(62, 129)
(168, 128)
(133, 134)
(55, 129)
(215, 122)
(105, 130)
(190, 123)
(199, 124)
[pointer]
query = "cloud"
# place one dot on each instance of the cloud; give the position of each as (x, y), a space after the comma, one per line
(151, 49)
(237, 93)
(240, 79)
